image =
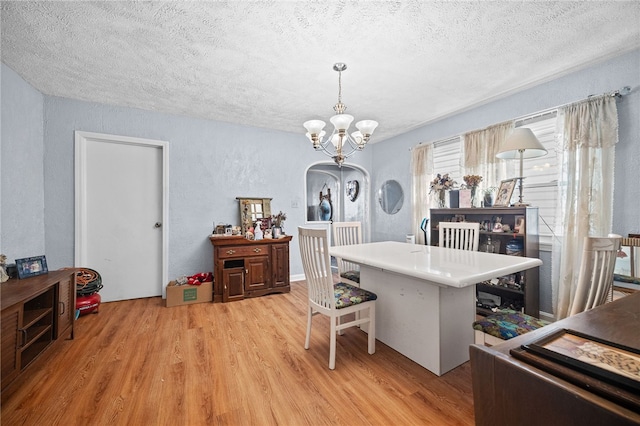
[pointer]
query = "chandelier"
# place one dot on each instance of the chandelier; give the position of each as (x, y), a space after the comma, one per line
(340, 144)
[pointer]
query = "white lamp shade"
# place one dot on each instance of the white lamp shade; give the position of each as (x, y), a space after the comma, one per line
(367, 126)
(341, 121)
(335, 140)
(314, 126)
(320, 136)
(521, 140)
(357, 136)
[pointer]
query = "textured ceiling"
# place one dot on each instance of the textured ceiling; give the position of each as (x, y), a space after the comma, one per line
(269, 63)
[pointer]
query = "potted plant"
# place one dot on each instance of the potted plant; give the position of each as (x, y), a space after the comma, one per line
(488, 196)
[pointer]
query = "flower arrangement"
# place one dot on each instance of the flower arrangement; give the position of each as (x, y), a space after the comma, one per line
(276, 220)
(442, 183)
(472, 180)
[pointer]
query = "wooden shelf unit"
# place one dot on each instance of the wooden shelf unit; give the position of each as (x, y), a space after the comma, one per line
(36, 312)
(528, 296)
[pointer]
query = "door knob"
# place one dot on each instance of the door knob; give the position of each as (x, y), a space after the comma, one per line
(158, 225)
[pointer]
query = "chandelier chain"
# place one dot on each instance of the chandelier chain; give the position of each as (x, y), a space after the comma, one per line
(340, 108)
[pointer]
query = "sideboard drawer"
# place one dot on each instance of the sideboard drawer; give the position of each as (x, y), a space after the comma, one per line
(242, 251)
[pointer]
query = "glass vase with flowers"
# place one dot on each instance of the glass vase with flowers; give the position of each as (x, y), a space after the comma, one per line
(439, 186)
(277, 221)
(472, 182)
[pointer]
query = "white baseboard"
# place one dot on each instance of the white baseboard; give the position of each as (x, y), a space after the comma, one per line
(297, 277)
(547, 316)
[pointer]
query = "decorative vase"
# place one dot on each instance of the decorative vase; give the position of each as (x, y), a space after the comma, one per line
(441, 199)
(488, 199)
(277, 232)
(474, 200)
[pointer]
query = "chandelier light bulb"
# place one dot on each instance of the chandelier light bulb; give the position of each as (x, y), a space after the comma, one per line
(314, 126)
(341, 122)
(367, 126)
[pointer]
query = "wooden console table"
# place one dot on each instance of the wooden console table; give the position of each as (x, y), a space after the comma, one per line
(508, 390)
(248, 268)
(36, 312)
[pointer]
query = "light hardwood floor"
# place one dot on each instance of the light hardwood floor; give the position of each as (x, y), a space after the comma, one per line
(240, 363)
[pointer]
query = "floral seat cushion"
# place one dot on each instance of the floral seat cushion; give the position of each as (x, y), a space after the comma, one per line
(508, 323)
(352, 276)
(347, 295)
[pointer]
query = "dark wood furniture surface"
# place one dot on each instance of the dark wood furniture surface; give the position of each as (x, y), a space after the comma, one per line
(510, 391)
(36, 312)
(249, 268)
(529, 296)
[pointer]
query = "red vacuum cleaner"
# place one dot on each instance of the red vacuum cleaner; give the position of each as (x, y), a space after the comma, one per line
(88, 284)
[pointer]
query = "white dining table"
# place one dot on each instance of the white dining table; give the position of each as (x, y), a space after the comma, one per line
(426, 296)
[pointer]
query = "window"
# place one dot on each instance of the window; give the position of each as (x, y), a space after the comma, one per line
(540, 184)
(447, 156)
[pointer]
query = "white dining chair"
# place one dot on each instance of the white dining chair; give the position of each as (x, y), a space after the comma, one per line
(459, 235)
(595, 281)
(347, 233)
(333, 300)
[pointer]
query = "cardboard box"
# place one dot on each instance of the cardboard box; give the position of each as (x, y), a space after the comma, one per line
(188, 294)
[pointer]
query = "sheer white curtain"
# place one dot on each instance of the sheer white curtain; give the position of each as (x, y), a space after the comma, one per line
(421, 173)
(480, 149)
(587, 134)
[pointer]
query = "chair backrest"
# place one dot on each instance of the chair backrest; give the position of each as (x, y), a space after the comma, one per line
(459, 235)
(344, 234)
(316, 262)
(595, 278)
(632, 243)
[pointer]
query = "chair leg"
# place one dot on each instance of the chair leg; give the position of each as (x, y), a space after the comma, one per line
(307, 341)
(332, 345)
(340, 332)
(372, 329)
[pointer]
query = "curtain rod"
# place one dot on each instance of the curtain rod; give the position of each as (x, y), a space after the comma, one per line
(616, 93)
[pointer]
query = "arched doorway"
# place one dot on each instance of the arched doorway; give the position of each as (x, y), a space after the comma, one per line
(349, 189)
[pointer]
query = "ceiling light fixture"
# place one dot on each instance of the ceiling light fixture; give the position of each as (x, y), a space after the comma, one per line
(340, 144)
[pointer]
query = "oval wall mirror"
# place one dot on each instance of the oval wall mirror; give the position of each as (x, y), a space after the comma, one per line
(390, 196)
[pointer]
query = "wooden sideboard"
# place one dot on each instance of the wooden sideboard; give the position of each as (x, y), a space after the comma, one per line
(36, 312)
(248, 268)
(509, 389)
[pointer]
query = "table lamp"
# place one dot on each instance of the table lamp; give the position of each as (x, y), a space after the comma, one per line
(522, 143)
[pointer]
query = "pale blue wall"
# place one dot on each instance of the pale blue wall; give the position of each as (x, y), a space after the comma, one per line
(211, 163)
(391, 158)
(21, 169)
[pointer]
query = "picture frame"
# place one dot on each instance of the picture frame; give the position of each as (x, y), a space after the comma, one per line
(31, 266)
(589, 355)
(458, 218)
(519, 224)
(503, 196)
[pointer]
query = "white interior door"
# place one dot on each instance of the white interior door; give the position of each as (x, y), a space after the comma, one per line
(121, 213)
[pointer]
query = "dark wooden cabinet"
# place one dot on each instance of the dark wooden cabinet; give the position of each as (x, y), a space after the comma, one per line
(524, 294)
(247, 268)
(280, 265)
(66, 304)
(36, 312)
